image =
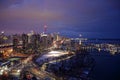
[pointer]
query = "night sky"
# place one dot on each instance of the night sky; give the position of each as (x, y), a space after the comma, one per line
(91, 18)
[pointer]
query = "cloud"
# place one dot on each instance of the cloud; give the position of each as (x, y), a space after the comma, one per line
(73, 15)
(7, 3)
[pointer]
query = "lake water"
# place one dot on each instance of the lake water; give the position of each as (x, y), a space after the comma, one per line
(107, 67)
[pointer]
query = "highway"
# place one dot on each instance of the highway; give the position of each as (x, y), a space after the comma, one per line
(28, 65)
(40, 71)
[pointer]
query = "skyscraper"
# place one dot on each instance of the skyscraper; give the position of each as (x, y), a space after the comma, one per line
(35, 40)
(15, 42)
(24, 41)
(44, 39)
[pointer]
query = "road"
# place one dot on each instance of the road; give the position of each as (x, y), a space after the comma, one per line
(28, 65)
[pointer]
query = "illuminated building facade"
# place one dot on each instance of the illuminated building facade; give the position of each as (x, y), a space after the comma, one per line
(15, 42)
(24, 41)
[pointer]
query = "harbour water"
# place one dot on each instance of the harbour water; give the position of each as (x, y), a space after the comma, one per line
(107, 66)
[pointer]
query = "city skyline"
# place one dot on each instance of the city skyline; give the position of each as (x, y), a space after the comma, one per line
(94, 18)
